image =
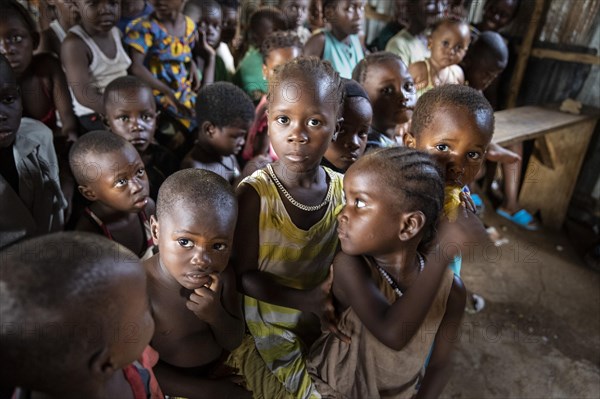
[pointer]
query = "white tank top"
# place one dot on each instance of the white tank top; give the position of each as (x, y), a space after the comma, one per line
(58, 30)
(103, 70)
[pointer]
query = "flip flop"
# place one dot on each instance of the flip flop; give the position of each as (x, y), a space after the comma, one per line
(521, 218)
(475, 305)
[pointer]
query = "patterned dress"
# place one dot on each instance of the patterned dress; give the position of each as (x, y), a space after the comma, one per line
(168, 58)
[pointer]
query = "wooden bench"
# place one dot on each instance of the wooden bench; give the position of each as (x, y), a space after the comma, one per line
(561, 141)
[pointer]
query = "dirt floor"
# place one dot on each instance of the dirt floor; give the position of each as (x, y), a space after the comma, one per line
(539, 333)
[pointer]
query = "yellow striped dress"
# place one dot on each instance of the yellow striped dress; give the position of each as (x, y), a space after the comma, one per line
(299, 259)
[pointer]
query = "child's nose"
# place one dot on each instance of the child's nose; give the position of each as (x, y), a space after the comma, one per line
(201, 257)
(354, 143)
(297, 135)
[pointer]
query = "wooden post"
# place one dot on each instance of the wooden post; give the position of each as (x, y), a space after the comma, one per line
(524, 53)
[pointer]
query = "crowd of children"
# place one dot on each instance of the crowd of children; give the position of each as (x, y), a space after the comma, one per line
(272, 229)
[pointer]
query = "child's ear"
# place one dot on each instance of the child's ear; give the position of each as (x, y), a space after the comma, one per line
(105, 121)
(338, 128)
(208, 128)
(409, 140)
(154, 229)
(87, 192)
(411, 224)
(101, 362)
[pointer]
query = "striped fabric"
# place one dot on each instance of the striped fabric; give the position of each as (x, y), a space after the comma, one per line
(299, 259)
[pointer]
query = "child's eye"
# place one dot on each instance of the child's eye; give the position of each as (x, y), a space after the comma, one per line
(409, 86)
(220, 247)
(120, 182)
(442, 147)
(123, 118)
(387, 90)
(284, 120)
(8, 100)
(184, 242)
(363, 135)
(16, 39)
(445, 43)
(140, 172)
(474, 155)
(314, 122)
(359, 203)
(147, 117)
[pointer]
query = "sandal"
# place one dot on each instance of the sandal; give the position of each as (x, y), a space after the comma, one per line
(475, 305)
(521, 218)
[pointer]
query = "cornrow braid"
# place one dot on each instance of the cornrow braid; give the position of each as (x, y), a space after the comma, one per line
(310, 71)
(360, 70)
(280, 39)
(413, 176)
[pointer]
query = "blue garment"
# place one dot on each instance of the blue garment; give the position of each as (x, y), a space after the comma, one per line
(124, 21)
(342, 56)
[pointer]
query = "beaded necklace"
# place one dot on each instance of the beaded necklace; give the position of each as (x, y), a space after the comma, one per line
(307, 208)
(391, 282)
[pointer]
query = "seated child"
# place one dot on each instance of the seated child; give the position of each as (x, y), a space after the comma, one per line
(287, 231)
(392, 92)
(249, 74)
(130, 112)
(296, 13)
(93, 56)
(448, 42)
(160, 46)
(277, 49)
(41, 78)
(351, 141)
(66, 17)
(111, 175)
(224, 115)
(385, 232)
(30, 191)
(75, 320)
(194, 301)
(132, 10)
(340, 44)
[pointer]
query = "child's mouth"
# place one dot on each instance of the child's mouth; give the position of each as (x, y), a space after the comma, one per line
(198, 279)
(141, 203)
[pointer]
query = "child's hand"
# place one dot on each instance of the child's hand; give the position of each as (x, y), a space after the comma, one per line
(324, 309)
(203, 49)
(205, 301)
(467, 201)
(172, 101)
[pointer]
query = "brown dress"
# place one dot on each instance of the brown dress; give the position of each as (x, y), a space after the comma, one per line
(366, 368)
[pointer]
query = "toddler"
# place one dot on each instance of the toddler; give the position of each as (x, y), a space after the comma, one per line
(81, 330)
(393, 199)
(130, 112)
(30, 192)
(340, 44)
(224, 114)
(93, 56)
(111, 175)
(286, 231)
(448, 42)
(392, 92)
(351, 141)
(194, 302)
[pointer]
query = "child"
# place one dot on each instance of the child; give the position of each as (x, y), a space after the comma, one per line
(296, 12)
(351, 141)
(81, 330)
(249, 73)
(131, 113)
(448, 42)
(41, 78)
(30, 192)
(340, 45)
(160, 46)
(277, 49)
(193, 297)
(224, 114)
(288, 229)
(111, 175)
(497, 14)
(392, 92)
(385, 230)
(92, 57)
(132, 10)
(66, 17)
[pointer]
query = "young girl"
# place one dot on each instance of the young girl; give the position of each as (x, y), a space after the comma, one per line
(43, 85)
(66, 17)
(111, 175)
(351, 141)
(287, 225)
(385, 230)
(340, 45)
(93, 56)
(160, 46)
(392, 92)
(448, 42)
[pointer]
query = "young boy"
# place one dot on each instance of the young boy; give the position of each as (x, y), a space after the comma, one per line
(112, 176)
(130, 112)
(81, 331)
(30, 192)
(192, 291)
(224, 115)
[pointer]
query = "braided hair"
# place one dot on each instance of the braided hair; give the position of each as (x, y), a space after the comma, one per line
(360, 70)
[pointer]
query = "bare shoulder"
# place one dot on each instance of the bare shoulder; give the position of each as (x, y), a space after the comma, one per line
(418, 70)
(72, 48)
(315, 45)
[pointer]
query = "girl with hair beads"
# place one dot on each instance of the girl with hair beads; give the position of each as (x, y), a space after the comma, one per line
(393, 199)
(339, 45)
(448, 42)
(287, 225)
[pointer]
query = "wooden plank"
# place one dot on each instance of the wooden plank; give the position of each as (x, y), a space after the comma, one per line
(524, 123)
(566, 56)
(549, 190)
(545, 152)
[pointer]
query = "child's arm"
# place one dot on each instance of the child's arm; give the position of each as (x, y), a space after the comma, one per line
(263, 286)
(438, 369)
(62, 98)
(220, 307)
(418, 70)
(315, 45)
(76, 67)
(393, 325)
(206, 57)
